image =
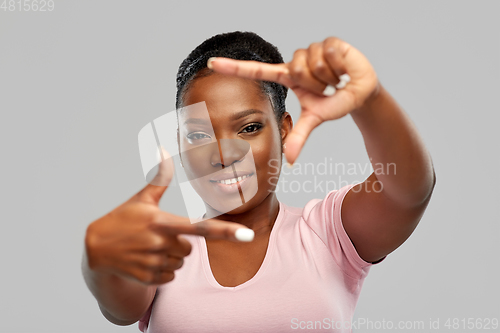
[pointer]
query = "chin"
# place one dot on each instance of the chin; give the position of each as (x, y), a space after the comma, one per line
(252, 203)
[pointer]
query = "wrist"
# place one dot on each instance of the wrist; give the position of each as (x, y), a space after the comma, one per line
(371, 101)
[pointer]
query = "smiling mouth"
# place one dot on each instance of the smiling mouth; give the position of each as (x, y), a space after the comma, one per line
(231, 181)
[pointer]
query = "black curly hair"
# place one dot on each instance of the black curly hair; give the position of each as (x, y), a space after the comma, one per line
(241, 45)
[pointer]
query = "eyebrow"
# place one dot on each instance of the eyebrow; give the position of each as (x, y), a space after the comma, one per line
(245, 113)
(236, 116)
(201, 121)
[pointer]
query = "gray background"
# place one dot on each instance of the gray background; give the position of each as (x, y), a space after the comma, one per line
(77, 84)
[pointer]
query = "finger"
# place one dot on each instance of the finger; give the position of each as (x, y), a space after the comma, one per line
(162, 277)
(172, 263)
(302, 75)
(176, 246)
(210, 228)
(297, 137)
(147, 276)
(184, 245)
(156, 261)
(153, 191)
(334, 51)
(249, 69)
(160, 242)
(156, 277)
(319, 67)
(168, 244)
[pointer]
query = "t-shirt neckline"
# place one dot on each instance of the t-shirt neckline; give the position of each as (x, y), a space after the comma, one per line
(265, 263)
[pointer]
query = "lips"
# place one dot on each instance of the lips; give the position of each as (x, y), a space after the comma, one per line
(233, 186)
(230, 181)
(229, 177)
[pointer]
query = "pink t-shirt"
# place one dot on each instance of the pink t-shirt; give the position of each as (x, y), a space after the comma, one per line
(310, 278)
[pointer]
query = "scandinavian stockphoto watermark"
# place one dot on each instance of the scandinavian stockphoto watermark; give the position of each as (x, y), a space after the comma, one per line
(431, 324)
(326, 176)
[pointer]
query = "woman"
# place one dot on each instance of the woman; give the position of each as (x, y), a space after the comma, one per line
(266, 267)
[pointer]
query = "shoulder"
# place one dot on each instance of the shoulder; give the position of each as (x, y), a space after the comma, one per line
(318, 208)
(327, 207)
(288, 210)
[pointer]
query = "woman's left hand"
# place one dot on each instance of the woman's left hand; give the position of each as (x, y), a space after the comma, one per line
(312, 75)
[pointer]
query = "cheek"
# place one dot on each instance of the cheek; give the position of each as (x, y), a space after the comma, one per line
(196, 161)
(267, 156)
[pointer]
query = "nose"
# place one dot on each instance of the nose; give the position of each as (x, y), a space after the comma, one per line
(229, 151)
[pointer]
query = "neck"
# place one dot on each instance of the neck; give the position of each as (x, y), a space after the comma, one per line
(260, 219)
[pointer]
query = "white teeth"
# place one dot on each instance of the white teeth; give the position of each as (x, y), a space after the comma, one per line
(232, 180)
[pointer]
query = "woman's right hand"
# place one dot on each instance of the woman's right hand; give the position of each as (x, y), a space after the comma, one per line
(139, 241)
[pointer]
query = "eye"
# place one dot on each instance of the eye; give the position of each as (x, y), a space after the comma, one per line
(196, 136)
(252, 128)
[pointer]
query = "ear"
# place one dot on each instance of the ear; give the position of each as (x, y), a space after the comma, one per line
(286, 126)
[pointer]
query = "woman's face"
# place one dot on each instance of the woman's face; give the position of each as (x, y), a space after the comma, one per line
(240, 139)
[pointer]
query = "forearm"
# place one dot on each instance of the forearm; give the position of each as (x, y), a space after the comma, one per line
(398, 155)
(122, 301)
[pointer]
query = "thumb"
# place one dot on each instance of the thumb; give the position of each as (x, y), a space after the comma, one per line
(155, 189)
(296, 139)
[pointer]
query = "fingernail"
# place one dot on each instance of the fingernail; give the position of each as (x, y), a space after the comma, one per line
(341, 85)
(209, 62)
(329, 90)
(345, 77)
(289, 166)
(244, 235)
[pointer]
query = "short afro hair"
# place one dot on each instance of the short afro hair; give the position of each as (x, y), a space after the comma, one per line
(240, 45)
